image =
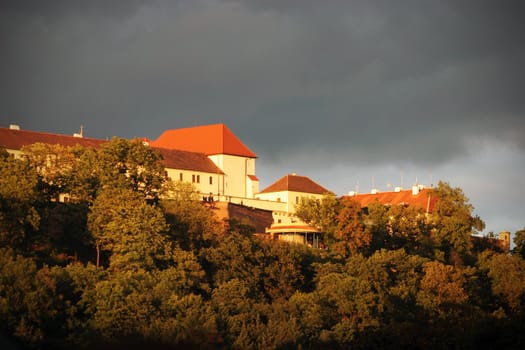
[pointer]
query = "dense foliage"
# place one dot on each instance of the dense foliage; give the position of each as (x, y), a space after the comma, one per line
(117, 266)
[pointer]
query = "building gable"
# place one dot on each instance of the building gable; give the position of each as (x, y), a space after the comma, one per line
(295, 183)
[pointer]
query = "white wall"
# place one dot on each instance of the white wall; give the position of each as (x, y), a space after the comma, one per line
(236, 170)
(203, 185)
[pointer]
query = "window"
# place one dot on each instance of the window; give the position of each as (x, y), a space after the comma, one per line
(181, 177)
(296, 200)
(198, 179)
(193, 178)
(211, 180)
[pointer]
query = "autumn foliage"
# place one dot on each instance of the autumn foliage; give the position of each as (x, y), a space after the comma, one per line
(120, 266)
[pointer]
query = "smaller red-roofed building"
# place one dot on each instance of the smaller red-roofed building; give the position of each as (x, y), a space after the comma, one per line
(286, 193)
(290, 188)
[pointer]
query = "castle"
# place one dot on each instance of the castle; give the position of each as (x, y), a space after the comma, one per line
(219, 166)
(223, 169)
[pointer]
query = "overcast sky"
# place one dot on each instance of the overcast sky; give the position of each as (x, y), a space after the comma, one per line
(354, 94)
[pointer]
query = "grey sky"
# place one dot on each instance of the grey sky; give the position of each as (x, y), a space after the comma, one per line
(350, 93)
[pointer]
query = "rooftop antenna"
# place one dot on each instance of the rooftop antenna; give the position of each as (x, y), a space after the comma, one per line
(81, 130)
(401, 177)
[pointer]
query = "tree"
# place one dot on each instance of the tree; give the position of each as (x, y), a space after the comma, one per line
(408, 229)
(442, 289)
(85, 175)
(53, 164)
(352, 233)
(507, 276)
(18, 199)
(32, 308)
(191, 225)
(519, 241)
(377, 219)
(131, 230)
(133, 165)
(453, 223)
(321, 213)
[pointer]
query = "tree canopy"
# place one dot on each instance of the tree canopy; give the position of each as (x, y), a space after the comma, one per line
(120, 266)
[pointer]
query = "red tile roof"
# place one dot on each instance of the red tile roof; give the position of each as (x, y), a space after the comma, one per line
(208, 139)
(173, 159)
(184, 160)
(404, 197)
(295, 183)
(16, 139)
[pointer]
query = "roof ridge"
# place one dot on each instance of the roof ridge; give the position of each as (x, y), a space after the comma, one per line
(50, 134)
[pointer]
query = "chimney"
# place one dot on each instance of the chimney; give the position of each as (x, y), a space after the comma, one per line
(415, 190)
(374, 191)
(398, 189)
(81, 134)
(14, 127)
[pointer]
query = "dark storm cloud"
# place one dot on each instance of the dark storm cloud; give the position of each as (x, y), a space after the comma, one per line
(339, 81)
(62, 8)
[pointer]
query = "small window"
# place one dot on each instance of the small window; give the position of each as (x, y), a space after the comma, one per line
(296, 200)
(198, 179)
(181, 177)
(211, 180)
(193, 178)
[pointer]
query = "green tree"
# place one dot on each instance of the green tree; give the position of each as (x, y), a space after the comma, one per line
(19, 196)
(377, 219)
(86, 178)
(131, 230)
(53, 164)
(191, 225)
(408, 229)
(32, 308)
(236, 257)
(133, 165)
(507, 277)
(321, 213)
(519, 241)
(453, 223)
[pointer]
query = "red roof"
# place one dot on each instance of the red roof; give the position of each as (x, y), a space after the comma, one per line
(208, 139)
(16, 139)
(184, 160)
(404, 197)
(173, 159)
(295, 183)
(253, 177)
